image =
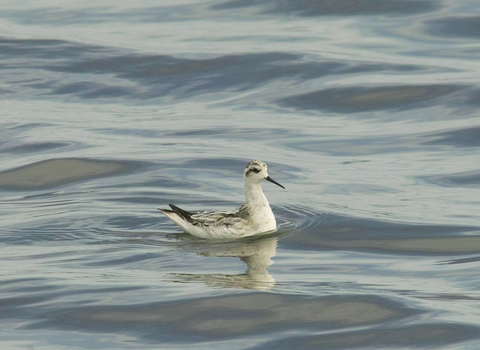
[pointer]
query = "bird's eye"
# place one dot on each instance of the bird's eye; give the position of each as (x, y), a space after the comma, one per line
(256, 171)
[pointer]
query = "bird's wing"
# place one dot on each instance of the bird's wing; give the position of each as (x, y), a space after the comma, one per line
(219, 218)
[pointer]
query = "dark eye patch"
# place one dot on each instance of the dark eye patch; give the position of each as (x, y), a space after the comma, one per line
(254, 170)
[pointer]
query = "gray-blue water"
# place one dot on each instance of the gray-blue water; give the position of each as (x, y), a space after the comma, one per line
(366, 111)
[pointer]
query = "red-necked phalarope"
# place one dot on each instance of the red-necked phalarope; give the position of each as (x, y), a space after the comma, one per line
(253, 217)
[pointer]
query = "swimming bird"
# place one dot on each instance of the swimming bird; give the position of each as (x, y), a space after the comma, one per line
(253, 217)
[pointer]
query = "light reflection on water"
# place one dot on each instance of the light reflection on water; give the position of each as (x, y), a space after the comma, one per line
(257, 254)
(366, 111)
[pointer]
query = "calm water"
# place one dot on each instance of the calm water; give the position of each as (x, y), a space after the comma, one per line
(366, 111)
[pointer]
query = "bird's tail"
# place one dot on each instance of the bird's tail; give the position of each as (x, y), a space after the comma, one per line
(183, 214)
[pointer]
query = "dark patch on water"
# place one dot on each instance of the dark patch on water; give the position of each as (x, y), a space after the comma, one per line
(229, 316)
(465, 179)
(131, 131)
(103, 14)
(474, 259)
(61, 171)
(238, 133)
(163, 75)
(332, 232)
(474, 97)
(34, 147)
(186, 12)
(11, 305)
(91, 90)
(409, 336)
(363, 99)
(455, 27)
(357, 147)
(194, 76)
(467, 137)
(26, 301)
(309, 8)
(30, 49)
(58, 16)
(95, 72)
(371, 145)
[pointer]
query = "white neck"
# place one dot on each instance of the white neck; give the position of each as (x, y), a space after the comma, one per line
(254, 195)
(259, 208)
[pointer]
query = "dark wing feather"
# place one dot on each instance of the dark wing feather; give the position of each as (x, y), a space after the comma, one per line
(183, 214)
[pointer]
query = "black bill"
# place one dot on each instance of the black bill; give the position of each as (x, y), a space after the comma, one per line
(268, 178)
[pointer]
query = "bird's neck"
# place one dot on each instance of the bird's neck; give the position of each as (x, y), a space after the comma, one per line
(254, 195)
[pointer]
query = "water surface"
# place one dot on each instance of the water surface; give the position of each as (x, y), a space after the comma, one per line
(367, 112)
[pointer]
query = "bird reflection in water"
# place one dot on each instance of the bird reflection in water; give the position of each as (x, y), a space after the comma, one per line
(256, 253)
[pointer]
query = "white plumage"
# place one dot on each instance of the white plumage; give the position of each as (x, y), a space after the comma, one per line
(253, 217)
